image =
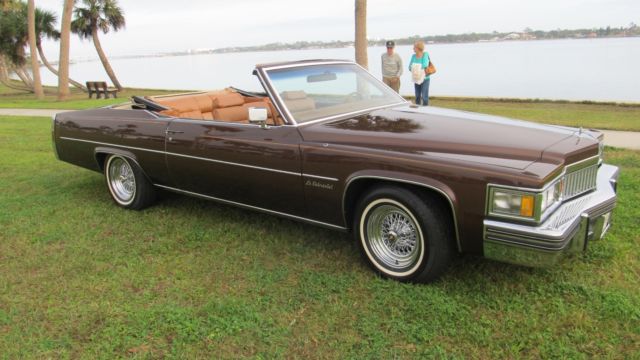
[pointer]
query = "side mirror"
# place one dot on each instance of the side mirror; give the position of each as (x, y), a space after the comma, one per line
(258, 116)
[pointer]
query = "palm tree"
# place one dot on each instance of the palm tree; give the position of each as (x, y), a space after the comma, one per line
(361, 33)
(13, 40)
(45, 28)
(99, 15)
(35, 65)
(63, 63)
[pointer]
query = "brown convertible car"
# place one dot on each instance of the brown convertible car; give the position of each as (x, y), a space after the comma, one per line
(327, 143)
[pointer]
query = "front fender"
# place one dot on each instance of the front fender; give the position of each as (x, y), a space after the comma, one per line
(403, 178)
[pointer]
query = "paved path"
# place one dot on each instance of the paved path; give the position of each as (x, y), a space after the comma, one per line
(622, 139)
(31, 112)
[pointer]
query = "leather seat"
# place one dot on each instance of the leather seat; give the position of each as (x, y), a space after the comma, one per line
(297, 101)
(230, 108)
(224, 105)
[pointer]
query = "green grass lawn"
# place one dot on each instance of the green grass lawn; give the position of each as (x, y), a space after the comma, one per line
(83, 278)
(78, 100)
(598, 116)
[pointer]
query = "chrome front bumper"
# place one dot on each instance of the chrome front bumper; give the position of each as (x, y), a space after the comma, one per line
(567, 230)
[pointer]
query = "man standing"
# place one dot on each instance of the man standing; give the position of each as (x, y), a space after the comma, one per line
(391, 67)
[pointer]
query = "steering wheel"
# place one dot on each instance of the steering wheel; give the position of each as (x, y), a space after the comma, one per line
(352, 97)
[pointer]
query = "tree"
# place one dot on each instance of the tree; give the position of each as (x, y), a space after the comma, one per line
(63, 63)
(35, 65)
(13, 40)
(361, 33)
(99, 15)
(45, 28)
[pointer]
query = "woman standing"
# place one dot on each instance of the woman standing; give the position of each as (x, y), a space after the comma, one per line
(418, 67)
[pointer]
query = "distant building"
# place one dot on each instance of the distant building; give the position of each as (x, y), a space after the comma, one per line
(512, 36)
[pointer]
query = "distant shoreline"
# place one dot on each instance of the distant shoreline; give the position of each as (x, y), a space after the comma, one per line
(336, 45)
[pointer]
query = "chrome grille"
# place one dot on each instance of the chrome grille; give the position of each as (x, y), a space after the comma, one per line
(580, 181)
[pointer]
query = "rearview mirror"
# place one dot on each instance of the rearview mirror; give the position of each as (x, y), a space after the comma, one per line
(258, 116)
(327, 76)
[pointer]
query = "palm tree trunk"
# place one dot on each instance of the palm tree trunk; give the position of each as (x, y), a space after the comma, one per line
(63, 63)
(35, 66)
(104, 60)
(54, 71)
(361, 33)
(6, 81)
(24, 77)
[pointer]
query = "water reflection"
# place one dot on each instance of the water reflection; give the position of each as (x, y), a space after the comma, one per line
(378, 124)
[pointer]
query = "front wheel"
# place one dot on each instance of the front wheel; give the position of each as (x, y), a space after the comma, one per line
(128, 185)
(404, 235)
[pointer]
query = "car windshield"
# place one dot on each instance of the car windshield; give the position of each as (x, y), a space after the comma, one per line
(312, 92)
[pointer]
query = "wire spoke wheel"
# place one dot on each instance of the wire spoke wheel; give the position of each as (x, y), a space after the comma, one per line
(402, 234)
(393, 236)
(121, 180)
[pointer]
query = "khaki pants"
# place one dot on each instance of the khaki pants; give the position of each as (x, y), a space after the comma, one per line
(392, 82)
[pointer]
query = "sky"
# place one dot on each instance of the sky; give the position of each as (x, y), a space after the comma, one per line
(157, 26)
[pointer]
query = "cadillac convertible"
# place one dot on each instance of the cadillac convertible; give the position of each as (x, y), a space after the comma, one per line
(328, 144)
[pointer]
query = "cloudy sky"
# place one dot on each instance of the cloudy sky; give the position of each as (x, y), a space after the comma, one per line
(161, 25)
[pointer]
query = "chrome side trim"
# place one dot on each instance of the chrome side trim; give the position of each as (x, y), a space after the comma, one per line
(320, 177)
(204, 159)
(235, 164)
(453, 211)
(108, 144)
(251, 207)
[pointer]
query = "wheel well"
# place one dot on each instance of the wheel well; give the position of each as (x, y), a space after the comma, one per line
(101, 158)
(360, 187)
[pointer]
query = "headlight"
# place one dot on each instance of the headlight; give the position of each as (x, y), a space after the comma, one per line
(551, 195)
(600, 152)
(513, 203)
(522, 204)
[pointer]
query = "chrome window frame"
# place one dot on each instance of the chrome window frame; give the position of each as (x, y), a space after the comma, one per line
(261, 73)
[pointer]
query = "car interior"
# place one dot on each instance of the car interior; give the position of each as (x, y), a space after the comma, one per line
(228, 105)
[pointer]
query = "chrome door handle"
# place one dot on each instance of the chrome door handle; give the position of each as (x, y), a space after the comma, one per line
(173, 132)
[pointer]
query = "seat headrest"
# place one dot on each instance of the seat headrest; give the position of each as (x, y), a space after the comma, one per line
(294, 95)
(223, 101)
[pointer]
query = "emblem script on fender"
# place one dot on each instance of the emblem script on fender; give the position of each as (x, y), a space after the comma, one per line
(318, 184)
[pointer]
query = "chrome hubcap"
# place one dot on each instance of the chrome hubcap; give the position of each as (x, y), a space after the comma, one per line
(393, 236)
(122, 181)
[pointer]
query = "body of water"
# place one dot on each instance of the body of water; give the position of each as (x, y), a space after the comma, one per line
(584, 69)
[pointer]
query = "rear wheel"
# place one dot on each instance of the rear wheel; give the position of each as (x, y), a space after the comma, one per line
(403, 235)
(128, 185)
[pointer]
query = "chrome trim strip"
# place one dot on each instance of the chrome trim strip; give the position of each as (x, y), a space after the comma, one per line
(275, 98)
(453, 211)
(229, 202)
(320, 62)
(205, 159)
(320, 177)
(235, 164)
(108, 144)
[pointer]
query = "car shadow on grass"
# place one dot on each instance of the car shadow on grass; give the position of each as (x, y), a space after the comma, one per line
(465, 268)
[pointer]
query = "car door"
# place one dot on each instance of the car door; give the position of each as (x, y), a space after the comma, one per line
(237, 162)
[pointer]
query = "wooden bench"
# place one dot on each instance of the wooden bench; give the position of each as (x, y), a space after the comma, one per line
(100, 88)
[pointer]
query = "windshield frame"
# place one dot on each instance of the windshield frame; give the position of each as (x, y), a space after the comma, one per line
(262, 72)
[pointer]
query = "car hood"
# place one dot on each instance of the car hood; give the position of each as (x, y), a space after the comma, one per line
(455, 134)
